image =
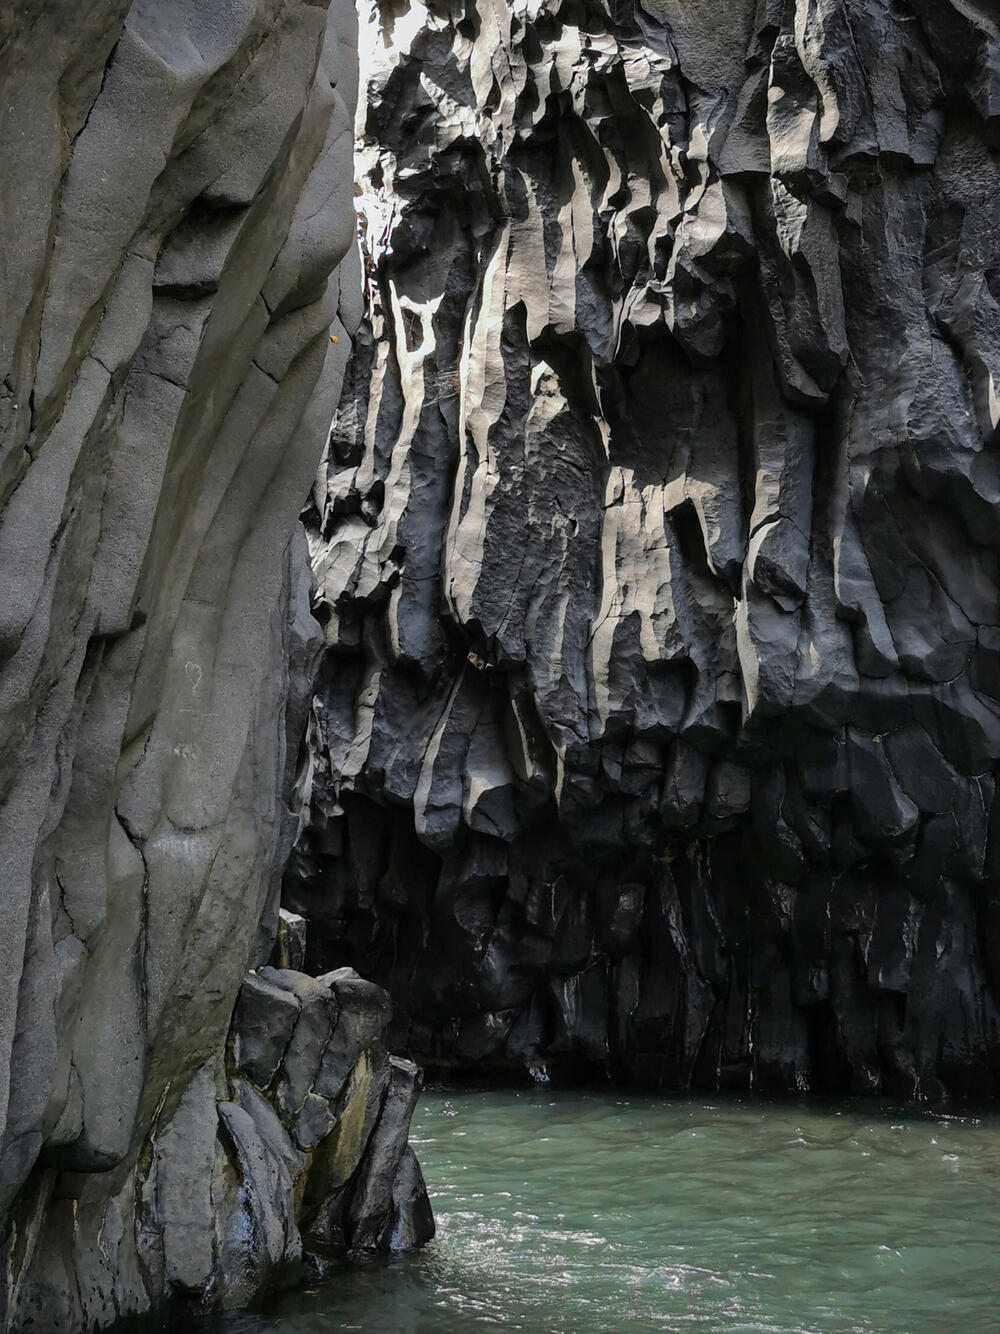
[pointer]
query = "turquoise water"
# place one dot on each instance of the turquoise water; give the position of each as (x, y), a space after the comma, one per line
(591, 1213)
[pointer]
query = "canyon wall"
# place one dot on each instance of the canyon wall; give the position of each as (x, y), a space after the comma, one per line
(657, 545)
(178, 285)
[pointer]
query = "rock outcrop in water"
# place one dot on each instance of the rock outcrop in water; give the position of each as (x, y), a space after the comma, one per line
(175, 199)
(658, 544)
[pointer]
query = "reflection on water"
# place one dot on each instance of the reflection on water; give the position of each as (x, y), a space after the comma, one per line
(587, 1213)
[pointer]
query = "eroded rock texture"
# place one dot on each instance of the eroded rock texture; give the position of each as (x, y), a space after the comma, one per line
(174, 198)
(658, 544)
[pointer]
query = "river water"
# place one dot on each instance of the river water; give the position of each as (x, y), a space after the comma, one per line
(601, 1213)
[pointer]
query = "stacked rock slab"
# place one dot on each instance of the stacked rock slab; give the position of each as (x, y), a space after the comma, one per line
(658, 544)
(177, 292)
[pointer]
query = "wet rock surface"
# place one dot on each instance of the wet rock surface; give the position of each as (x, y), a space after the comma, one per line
(657, 546)
(177, 292)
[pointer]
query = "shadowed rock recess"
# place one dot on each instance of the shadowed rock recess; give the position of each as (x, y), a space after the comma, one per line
(657, 545)
(175, 182)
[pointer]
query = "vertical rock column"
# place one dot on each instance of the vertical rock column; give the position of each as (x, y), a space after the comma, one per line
(178, 289)
(658, 726)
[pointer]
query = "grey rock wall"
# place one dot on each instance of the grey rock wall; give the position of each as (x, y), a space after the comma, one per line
(658, 545)
(177, 286)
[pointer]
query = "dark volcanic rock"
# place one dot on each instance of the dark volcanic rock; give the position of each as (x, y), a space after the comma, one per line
(389, 1200)
(175, 204)
(657, 545)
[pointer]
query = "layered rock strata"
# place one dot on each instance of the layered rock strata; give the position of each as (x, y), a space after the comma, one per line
(175, 182)
(657, 544)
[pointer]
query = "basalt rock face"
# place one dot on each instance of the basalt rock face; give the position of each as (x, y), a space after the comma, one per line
(175, 200)
(658, 543)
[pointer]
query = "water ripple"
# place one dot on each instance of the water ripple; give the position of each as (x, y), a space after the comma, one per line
(600, 1214)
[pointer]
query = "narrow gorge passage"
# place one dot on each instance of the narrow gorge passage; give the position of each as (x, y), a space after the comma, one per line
(610, 698)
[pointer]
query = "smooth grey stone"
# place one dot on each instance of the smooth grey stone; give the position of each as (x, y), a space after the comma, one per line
(178, 295)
